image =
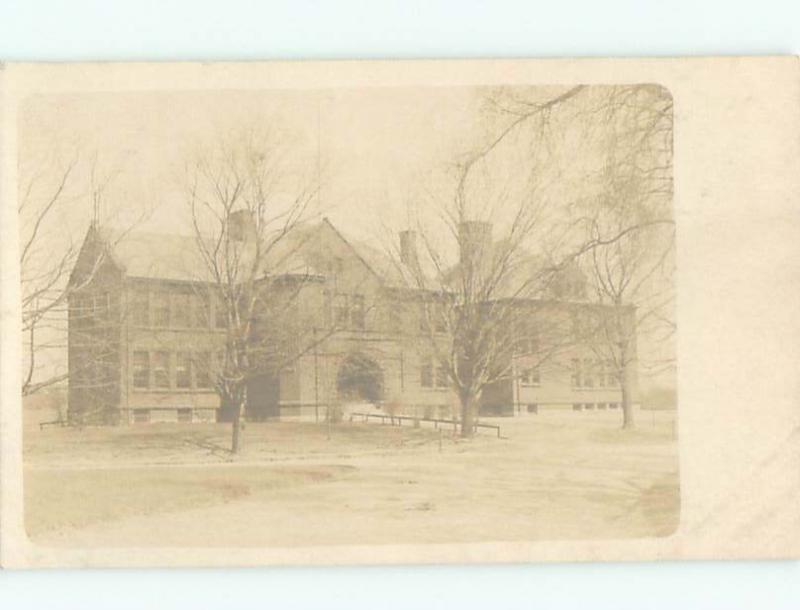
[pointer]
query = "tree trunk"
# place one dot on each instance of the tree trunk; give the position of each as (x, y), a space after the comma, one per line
(627, 405)
(468, 407)
(236, 437)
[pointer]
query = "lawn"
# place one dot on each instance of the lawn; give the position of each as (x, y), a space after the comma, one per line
(550, 477)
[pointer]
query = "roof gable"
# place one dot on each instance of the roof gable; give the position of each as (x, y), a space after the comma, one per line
(93, 255)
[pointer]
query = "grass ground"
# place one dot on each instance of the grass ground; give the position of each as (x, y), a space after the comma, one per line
(551, 477)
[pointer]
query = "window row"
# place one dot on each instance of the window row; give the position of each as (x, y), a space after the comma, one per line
(144, 416)
(433, 316)
(526, 344)
(431, 376)
(91, 305)
(94, 371)
(172, 370)
(589, 373)
(589, 406)
(345, 311)
(165, 309)
(530, 376)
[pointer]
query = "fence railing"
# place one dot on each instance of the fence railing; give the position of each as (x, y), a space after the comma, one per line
(399, 419)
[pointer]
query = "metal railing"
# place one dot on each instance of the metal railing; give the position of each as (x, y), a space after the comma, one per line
(399, 419)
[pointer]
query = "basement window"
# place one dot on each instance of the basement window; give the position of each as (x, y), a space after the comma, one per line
(141, 416)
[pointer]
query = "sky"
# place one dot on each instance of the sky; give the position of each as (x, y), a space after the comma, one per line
(374, 147)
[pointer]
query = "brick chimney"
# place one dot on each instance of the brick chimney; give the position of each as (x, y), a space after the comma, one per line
(242, 226)
(474, 240)
(408, 248)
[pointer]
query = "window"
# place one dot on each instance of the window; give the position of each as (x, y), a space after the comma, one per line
(327, 308)
(426, 374)
(442, 379)
(100, 304)
(432, 317)
(140, 307)
(161, 309)
(588, 379)
(534, 408)
(336, 266)
(185, 416)
(161, 369)
(199, 309)
(141, 370)
(530, 376)
(576, 372)
(433, 376)
(588, 406)
(527, 343)
(183, 370)
(77, 307)
(611, 375)
(202, 370)
(345, 310)
(577, 406)
(394, 317)
(341, 311)
(112, 302)
(440, 319)
(180, 310)
(220, 313)
(358, 313)
(141, 416)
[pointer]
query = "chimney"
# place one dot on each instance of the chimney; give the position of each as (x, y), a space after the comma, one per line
(242, 226)
(474, 240)
(408, 248)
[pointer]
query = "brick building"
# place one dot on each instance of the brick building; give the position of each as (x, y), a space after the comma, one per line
(145, 337)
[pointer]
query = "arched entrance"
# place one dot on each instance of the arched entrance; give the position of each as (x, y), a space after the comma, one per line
(360, 378)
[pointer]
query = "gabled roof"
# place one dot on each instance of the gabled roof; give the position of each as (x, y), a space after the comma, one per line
(176, 257)
(170, 256)
(391, 272)
(154, 255)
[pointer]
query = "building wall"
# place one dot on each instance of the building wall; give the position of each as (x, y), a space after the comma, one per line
(185, 334)
(342, 311)
(571, 370)
(94, 342)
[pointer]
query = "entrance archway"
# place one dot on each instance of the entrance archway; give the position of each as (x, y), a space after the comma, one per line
(360, 378)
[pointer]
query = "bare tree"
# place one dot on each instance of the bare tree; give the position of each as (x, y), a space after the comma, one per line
(482, 259)
(632, 201)
(612, 212)
(621, 212)
(50, 185)
(247, 205)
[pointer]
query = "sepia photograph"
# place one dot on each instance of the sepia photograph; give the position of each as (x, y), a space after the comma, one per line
(337, 313)
(372, 315)
(399, 305)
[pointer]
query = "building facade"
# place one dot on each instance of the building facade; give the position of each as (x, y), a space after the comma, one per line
(146, 338)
